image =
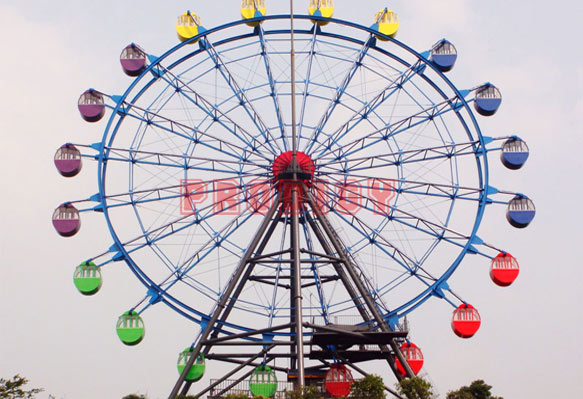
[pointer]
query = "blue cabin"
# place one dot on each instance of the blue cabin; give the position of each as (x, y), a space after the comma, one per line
(443, 55)
(514, 153)
(520, 211)
(488, 99)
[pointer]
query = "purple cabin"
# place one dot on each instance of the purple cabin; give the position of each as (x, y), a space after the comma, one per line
(68, 160)
(66, 220)
(133, 60)
(91, 105)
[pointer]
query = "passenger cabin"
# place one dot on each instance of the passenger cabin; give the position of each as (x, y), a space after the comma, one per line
(130, 328)
(387, 23)
(68, 160)
(514, 153)
(487, 100)
(66, 220)
(339, 380)
(133, 60)
(520, 211)
(504, 269)
(443, 55)
(252, 9)
(263, 382)
(466, 321)
(198, 367)
(87, 278)
(188, 26)
(414, 357)
(321, 8)
(91, 105)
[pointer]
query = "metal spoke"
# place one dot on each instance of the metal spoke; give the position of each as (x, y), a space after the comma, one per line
(371, 106)
(174, 160)
(213, 112)
(274, 94)
(174, 226)
(433, 229)
(145, 196)
(307, 84)
(393, 129)
(339, 93)
(345, 163)
(240, 94)
(197, 136)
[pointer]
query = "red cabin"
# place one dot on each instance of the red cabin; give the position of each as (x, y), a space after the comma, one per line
(68, 160)
(504, 269)
(465, 321)
(339, 380)
(66, 220)
(414, 357)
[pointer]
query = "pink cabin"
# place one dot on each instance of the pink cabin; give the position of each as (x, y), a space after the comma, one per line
(66, 220)
(68, 160)
(133, 60)
(91, 105)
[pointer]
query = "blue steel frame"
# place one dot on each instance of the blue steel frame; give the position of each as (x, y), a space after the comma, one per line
(123, 108)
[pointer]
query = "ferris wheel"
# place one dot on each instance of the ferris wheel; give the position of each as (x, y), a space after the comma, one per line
(293, 184)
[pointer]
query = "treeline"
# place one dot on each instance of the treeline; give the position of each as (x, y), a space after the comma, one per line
(369, 387)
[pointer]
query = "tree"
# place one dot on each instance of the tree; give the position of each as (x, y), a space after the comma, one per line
(135, 396)
(477, 390)
(369, 387)
(415, 388)
(236, 396)
(13, 388)
(307, 392)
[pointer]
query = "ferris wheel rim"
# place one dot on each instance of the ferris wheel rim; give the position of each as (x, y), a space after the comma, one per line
(174, 302)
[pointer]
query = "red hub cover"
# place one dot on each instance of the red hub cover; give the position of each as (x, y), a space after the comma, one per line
(283, 175)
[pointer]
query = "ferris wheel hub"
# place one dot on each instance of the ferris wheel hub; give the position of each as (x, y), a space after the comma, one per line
(285, 169)
(290, 174)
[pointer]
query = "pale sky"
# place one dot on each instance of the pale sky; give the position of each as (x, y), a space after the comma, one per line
(529, 345)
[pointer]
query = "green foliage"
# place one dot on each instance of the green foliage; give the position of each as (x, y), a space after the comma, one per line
(14, 388)
(477, 390)
(369, 387)
(186, 397)
(236, 396)
(415, 388)
(307, 392)
(135, 396)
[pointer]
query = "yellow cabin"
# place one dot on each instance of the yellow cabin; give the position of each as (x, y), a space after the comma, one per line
(252, 9)
(187, 26)
(321, 8)
(387, 23)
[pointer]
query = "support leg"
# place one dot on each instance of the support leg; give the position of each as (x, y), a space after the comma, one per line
(364, 293)
(236, 277)
(297, 288)
(234, 371)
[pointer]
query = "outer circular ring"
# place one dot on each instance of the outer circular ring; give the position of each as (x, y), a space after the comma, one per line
(188, 311)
